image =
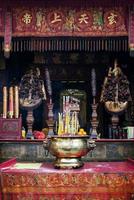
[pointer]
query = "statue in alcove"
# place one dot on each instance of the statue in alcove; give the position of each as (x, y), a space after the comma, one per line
(32, 92)
(115, 93)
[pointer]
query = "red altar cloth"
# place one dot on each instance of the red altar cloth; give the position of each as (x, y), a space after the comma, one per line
(95, 181)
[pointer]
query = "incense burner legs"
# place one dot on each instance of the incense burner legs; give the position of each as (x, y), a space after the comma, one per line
(68, 163)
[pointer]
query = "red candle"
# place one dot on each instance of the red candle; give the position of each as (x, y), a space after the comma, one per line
(11, 102)
(16, 102)
(4, 102)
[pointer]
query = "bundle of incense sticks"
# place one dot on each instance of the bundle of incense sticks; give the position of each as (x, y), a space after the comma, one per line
(68, 123)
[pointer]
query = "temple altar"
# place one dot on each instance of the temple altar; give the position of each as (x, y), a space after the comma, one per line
(66, 69)
(32, 150)
(96, 180)
(68, 51)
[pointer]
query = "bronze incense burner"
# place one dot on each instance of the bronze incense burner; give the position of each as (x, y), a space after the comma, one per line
(68, 150)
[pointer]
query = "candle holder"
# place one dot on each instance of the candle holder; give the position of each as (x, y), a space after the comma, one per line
(94, 121)
(50, 120)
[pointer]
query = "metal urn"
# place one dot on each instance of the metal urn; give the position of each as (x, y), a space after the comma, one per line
(68, 150)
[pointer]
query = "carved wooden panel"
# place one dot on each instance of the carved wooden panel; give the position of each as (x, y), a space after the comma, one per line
(10, 128)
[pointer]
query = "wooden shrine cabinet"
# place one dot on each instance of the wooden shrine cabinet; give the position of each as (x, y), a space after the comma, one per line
(10, 128)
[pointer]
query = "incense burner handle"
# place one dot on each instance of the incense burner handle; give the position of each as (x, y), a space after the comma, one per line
(91, 144)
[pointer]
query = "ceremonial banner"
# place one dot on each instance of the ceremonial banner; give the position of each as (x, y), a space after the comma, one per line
(8, 33)
(44, 22)
(36, 28)
(2, 22)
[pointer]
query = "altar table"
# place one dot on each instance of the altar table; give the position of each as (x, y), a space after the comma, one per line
(40, 181)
